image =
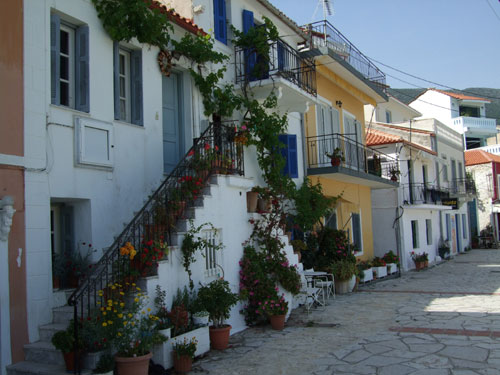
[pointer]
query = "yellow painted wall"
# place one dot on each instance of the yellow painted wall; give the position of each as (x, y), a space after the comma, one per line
(354, 198)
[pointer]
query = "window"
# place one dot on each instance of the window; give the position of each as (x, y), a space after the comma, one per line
(331, 221)
(448, 227)
(289, 152)
(388, 116)
(356, 231)
(438, 181)
(127, 84)
(414, 234)
(69, 64)
(93, 143)
(445, 172)
(464, 225)
(433, 143)
(220, 25)
(211, 252)
(428, 231)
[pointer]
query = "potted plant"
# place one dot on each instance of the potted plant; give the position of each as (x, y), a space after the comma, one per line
(201, 318)
(343, 270)
(218, 300)
(365, 271)
(336, 157)
(252, 199)
(394, 172)
(65, 342)
(276, 311)
(183, 354)
(392, 261)
(421, 260)
(444, 249)
(379, 267)
(105, 365)
(163, 324)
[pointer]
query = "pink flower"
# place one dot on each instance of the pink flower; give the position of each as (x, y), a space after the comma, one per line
(243, 127)
(251, 293)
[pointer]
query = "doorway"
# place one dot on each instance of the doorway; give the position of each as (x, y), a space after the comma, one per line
(173, 146)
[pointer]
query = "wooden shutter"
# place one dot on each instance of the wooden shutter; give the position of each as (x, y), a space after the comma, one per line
(220, 20)
(55, 46)
(356, 230)
(250, 56)
(289, 152)
(116, 79)
(136, 87)
(82, 69)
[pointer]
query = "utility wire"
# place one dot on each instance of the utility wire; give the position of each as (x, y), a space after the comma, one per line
(493, 10)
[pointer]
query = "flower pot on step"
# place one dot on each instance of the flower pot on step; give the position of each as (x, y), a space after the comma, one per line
(252, 199)
(263, 205)
(182, 364)
(219, 337)
(133, 365)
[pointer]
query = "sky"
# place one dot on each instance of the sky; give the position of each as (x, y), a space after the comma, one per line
(451, 42)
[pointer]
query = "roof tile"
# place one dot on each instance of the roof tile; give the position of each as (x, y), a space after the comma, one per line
(473, 157)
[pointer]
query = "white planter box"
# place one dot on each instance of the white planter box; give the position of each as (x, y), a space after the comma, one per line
(380, 271)
(162, 354)
(367, 275)
(392, 268)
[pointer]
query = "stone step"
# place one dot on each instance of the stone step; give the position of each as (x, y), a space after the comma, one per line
(48, 330)
(36, 368)
(43, 352)
(62, 314)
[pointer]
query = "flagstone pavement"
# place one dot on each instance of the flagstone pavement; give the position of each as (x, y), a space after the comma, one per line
(443, 320)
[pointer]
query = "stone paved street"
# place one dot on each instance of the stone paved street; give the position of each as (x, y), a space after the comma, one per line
(444, 320)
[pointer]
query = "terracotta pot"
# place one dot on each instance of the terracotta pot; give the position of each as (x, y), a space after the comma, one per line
(73, 280)
(394, 178)
(252, 199)
(419, 265)
(182, 364)
(335, 162)
(219, 337)
(263, 205)
(69, 360)
(56, 282)
(133, 365)
(299, 255)
(277, 322)
(426, 263)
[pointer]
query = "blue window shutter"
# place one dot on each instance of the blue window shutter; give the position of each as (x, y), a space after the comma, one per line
(116, 80)
(136, 87)
(293, 169)
(220, 20)
(281, 56)
(283, 138)
(356, 230)
(250, 57)
(247, 20)
(82, 69)
(55, 46)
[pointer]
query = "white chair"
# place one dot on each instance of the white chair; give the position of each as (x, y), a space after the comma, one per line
(326, 281)
(312, 293)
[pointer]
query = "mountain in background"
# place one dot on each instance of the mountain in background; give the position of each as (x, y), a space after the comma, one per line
(492, 109)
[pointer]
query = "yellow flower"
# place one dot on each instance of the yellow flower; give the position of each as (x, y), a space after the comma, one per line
(113, 287)
(104, 313)
(108, 308)
(130, 315)
(125, 323)
(110, 322)
(119, 334)
(100, 293)
(120, 315)
(104, 324)
(133, 323)
(149, 309)
(115, 311)
(122, 294)
(122, 304)
(133, 284)
(102, 308)
(136, 299)
(139, 289)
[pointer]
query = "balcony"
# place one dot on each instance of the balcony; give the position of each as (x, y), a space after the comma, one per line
(323, 34)
(475, 125)
(284, 69)
(362, 165)
(423, 194)
(463, 187)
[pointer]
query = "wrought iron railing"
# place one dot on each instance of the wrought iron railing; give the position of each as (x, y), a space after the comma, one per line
(322, 33)
(356, 155)
(463, 186)
(215, 151)
(283, 61)
(423, 193)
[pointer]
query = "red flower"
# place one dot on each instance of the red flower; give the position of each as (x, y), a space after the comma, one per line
(191, 153)
(207, 146)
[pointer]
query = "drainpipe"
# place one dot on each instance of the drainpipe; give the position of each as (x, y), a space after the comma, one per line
(304, 144)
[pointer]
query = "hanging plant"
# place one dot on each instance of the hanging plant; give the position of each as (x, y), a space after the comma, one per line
(165, 62)
(144, 20)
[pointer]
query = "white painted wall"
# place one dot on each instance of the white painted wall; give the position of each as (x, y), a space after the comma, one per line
(400, 112)
(105, 199)
(433, 104)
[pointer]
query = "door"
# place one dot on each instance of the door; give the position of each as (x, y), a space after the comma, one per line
(458, 233)
(354, 155)
(328, 129)
(453, 176)
(172, 122)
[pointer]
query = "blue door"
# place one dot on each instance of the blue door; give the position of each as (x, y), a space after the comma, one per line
(173, 147)
(459, 233)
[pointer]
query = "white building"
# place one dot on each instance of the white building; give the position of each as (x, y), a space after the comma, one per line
(463, 113)
(104, 127)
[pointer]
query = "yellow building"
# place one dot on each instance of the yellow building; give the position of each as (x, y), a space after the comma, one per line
(346, 80)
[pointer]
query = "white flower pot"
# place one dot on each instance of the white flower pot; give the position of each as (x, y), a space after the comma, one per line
(166, 332)
(392, 268)
(162, 354)
(367, 275)
(380, 271)
(200, 320)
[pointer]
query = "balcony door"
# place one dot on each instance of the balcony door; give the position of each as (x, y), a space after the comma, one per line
(354, 154)
(173, 147)
(328, 129)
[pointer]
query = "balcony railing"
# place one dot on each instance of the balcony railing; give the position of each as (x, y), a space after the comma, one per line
(476, 123)
(357, 156)
(322, 33)
(283, 61)
(423, 193)
(463, 186)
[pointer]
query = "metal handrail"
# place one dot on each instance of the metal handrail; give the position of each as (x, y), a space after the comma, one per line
(215, 151)
(357, 155)
(323, 33)
(423, 193)
(283, 61)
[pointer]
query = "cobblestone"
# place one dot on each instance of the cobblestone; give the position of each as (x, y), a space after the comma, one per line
(444, 320)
